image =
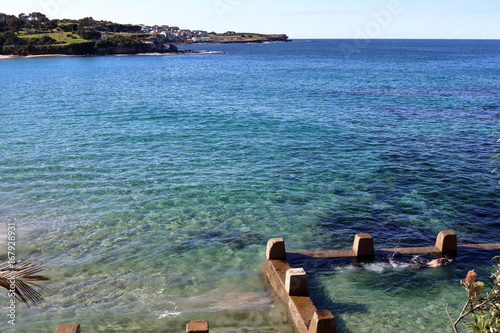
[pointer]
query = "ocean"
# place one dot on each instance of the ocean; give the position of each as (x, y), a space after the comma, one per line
(147, 186)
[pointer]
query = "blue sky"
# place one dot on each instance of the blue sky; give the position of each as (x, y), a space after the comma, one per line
(298, 19)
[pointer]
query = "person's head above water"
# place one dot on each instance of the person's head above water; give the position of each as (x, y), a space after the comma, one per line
(438, 262)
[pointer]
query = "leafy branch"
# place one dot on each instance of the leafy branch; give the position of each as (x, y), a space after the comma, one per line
(485, 310)
(20, 279)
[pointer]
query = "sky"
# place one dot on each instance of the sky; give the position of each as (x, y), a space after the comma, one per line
(457, 19)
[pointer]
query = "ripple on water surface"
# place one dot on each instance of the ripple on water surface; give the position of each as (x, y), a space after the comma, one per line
(148, 186)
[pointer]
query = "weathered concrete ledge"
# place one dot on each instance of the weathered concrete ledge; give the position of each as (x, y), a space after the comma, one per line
(446, 243)
(290, 283)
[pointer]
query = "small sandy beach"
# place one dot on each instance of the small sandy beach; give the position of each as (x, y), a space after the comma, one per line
(33, 56)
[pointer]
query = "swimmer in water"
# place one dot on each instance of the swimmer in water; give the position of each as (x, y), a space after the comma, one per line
(418, 261)
(438, 262)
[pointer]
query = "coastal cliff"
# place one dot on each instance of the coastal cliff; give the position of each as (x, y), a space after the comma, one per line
(89, 48)
(115, 45)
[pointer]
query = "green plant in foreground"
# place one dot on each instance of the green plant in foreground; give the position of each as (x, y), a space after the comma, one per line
(484, 309)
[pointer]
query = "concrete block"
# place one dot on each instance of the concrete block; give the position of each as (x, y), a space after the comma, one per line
(296, 282)
(68, 329)
(276, 249)
(363, 245)
(323, 321)
(446, 241)
(197, 326)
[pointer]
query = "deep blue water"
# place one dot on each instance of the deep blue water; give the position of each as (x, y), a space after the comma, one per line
(148, 186)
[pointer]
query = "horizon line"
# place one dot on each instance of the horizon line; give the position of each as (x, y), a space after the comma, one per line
(391, 38)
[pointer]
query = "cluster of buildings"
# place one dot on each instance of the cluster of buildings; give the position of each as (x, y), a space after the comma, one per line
(176, 35)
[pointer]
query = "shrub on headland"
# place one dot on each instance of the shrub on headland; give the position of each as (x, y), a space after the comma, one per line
(10, 38)
(44, 40)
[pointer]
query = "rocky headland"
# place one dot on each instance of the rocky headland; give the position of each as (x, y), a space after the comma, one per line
(35, 34)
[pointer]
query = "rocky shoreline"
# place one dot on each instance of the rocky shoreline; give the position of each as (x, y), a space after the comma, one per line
(90, 48)
(93, 49)
(49, 55)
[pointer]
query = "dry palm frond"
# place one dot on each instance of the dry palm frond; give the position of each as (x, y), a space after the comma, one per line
(20, 278)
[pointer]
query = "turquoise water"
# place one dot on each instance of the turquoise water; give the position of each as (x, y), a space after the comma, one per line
(148, 186)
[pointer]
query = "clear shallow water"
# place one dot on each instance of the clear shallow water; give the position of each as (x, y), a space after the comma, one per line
(149, 185)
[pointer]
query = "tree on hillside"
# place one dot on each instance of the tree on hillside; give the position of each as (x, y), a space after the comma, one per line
(68, 27)
(14, 24)
(37, 16)
(3, 26)
(52, 24)
(87, 28)
(86, 23)
(4, 19)
(36, 21)
(10, 38)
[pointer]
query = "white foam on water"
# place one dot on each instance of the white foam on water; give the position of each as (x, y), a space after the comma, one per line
(171, 313)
